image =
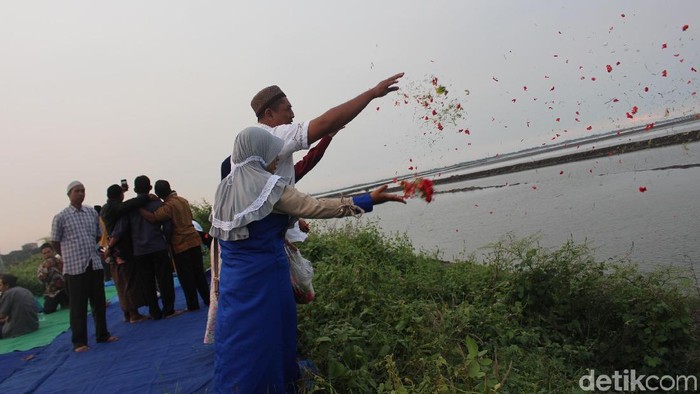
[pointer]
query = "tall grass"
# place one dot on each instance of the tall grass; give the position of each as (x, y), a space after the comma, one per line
(527, 320)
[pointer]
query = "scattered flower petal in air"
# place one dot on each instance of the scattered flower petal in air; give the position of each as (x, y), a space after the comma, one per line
(693, 69)
(495, 79)
(609, 67)
(534, 188)
(622, 15)
(592, 78)
(422, 186)
(629, 116)
(685, 27)
(513, 100)
(589, 128)
(525, 88)
(617, 63)
(664, 73)
(552, 88)
(649, 126)
(664, 46)
(561, 172)
(557, 119)
(615, 100)
(646, 88)
(642, 189)
(634, 110)
(377, 108)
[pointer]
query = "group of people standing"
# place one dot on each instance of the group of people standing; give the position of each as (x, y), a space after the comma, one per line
(252, 313)
(139, 239)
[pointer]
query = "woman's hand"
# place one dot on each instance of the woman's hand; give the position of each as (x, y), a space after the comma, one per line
(379, 196)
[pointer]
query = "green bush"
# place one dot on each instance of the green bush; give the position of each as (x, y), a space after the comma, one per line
(386, 319)
(25, 272)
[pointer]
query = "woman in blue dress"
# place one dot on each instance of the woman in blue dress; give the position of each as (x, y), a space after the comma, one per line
(256, 325)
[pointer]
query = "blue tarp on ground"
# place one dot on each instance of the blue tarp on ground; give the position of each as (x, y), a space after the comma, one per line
(164, 356)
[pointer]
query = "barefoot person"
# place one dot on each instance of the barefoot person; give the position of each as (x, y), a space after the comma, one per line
(75, 232)
(256, 322)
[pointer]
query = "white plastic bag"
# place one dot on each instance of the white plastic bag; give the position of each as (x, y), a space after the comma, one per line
(302, 273)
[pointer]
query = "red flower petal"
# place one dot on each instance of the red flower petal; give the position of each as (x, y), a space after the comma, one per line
(622, 15)
(634, 110)
(551, 88)
(685, 27)
(646, 88)
(561, 172)
(642, 189)
(525, 88)
(615, 100)
(664, 46)
(664, 73)
(609, 67)
(557, 119)
(513, 100)
(629, 116)
(649, 126)
(592, 78)
(377, 108)
(589, 128)
(693, 69)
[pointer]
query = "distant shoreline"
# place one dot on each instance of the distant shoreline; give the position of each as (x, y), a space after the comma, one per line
(657, 142)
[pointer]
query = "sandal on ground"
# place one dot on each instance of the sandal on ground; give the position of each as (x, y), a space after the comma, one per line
(110, 339)
(81, 349)
(138, 319)
(175, 313)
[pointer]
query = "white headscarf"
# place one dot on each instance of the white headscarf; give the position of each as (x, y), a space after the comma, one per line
(249, 192)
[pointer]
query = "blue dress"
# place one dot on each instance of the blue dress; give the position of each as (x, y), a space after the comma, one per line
(256, 324)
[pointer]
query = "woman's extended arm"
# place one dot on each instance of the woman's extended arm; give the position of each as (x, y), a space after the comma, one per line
(301, 205)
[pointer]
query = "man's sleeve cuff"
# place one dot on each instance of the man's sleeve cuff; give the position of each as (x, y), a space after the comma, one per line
(363, 201)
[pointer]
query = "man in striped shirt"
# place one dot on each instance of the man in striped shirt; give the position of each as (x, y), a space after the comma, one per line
(75, 232)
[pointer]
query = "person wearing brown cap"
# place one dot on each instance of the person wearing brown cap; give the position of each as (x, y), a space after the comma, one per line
(75, 232)
(274, 113)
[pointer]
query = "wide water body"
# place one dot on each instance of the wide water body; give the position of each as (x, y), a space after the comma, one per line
(596, 200)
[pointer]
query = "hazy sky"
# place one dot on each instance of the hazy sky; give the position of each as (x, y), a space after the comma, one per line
(99, 91)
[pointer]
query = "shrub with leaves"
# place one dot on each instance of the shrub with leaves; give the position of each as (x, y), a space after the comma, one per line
(386, 319)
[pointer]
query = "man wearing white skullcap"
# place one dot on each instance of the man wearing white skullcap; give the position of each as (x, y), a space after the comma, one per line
(75, 232)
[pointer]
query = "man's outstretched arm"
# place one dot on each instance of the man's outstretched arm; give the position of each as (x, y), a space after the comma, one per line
(335, 118)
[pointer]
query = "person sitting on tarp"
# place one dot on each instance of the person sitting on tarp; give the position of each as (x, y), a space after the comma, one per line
(50, 273)
(18, 314)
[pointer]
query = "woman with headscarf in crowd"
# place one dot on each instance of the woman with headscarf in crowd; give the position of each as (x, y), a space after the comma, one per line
(256, 325)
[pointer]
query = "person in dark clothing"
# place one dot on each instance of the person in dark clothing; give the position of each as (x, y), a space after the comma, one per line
(18, 313)
(151, 254)
(119, 252)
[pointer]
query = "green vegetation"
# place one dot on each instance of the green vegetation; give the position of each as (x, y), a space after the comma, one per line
(527, 320)
(200, 213)
(25, 272)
